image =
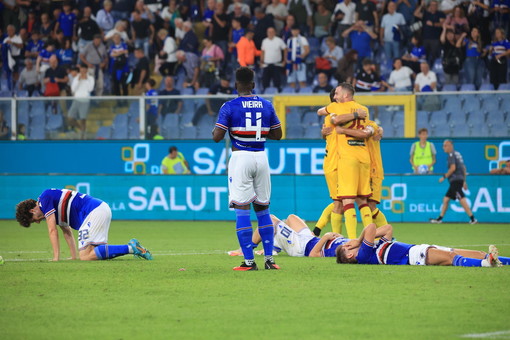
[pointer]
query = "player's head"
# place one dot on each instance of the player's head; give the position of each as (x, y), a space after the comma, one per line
(448, 146)
(344, 93)
(423, 133)
(332, 95)
(244, 80)
(28, 212)
(172, 151)
(344, 255)
(150, 84)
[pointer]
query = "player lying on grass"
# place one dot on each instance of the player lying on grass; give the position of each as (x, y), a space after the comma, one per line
(295, 238)
(365, 251)
(90, 216)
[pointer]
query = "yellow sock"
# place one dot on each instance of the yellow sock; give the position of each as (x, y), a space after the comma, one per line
(366, 214)
(379, 218)
(336, 222)
(325, 217)
(350, 220)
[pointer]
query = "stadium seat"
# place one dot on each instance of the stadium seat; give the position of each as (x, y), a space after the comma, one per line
(449, 87)
(55, 122)
(170, 128)
(460, 129)
(23, 118)
(496, 118)
(313, 132)
(133, 129)
(486, 87)
(270, 90)
(471, 103)
(187, 91)
(190, 132)
(439, 118)
(452, 103)
(481, 130)
(476, 119)
(442, 130)
(306, 89)
(188, 104)
(22, 93)
(504, 87)
(458, 117)
(5, 94)
(120, 126)
(202, 91)
(490, 104)
(467, 87)
(36, 132)
(104, 132)
(205, 126)
(499, 130)
(398, 117)
(310, 119)
(294, 132)
(288, 89)
(422, 119)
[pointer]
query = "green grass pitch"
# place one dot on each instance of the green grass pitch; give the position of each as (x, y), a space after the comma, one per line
(309, 298)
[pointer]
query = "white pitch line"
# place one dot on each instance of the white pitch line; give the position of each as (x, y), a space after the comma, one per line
(479, 245)
(495, 335)
(25, 252)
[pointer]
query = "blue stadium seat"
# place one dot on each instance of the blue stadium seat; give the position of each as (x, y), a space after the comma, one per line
(188, 91)
(310, 119)
(480, 131)
(189, 132)
(270, 90)
(120, 126)
(496, 118)
(312, 132)
(442, 130)
(385, 117)
(460, 129)
(471, 103)
(499, 130)
(36, 132)
(452, 103)
(104, 132)
(133, 129)
(467, 87)
(439, 118)
(188, 104)
(475, 119)
(23, 118)
(205, 126)
(288, 89)
(294, 132)
(486, 87)
(55, 122)
(449, 87)
(306, 89)
(398, 117)
(170, 128)
(490, 104)
(504, 87)
(422, 119)
(459, 117)
(202, 91)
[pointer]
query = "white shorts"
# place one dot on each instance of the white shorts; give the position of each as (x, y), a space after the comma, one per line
(248, 178)
(297, 76)
(418, 253)
(94, 229)
(290, 241)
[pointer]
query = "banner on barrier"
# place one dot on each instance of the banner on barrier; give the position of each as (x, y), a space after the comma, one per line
(208, 158)
(405, 198)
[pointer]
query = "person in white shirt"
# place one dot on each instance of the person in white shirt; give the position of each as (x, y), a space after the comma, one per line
(272, 61)
(400, 77)
(245, 9)
(15, 44)
(82, 86)
(279, 12)
(120, 29)
(390, 31)
(179, 31)
(104, 17)
(343, 17)
(426, 80)
(297, 50)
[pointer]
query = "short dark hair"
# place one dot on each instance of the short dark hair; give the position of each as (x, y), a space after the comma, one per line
(348, 87)
(367, 61)
(332, 94)
(423, 130)
(244, 75)
(23, 214)
(172, 149)
(151, 82)
(139, 49)
(341, 256)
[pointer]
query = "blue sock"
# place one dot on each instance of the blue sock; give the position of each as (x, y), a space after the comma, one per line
(466, 262)
(106, 251)
(266, 231)
(504, 260)
(244, 233)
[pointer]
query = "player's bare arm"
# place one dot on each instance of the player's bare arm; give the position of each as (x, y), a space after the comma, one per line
(218, 134)
(450, 171)
(275, 134)
(317, 249)
(365, 133)
(53, 235)
(322, 111)
(71, 243)
(338, 119)
(326, 131)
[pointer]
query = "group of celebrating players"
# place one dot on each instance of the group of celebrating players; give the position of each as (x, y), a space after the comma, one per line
(353, 170)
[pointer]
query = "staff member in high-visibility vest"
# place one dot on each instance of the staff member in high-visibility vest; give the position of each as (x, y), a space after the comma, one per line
(174, 163)
(423, 153)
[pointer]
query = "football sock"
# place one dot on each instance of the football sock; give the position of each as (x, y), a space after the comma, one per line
(266, 231)
(325, 217)
(105, 251)
(472, 218)
(350, 220)
(244, 234)
(336, 222)
(439, 218)
(504, 260)
(269, 258)
(379, 218)
(467, 262)
(366, 214)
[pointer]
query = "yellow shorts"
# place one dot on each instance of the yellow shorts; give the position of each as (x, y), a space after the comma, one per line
(353, 179)
(376, 185)
(332, 182)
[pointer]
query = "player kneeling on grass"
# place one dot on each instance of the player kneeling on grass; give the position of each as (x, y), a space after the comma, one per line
(295, 238)
(90, 216)
(364, 251)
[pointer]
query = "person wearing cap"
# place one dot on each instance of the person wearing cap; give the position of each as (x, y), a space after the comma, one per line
(297, 50)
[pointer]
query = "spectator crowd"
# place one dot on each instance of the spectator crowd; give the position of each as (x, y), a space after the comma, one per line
(380, 45)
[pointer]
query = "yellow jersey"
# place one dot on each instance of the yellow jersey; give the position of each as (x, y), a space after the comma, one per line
(331, 158)
(374, 147)
(351, 147)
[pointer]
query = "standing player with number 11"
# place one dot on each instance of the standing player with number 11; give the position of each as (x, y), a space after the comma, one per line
(249, 120)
